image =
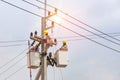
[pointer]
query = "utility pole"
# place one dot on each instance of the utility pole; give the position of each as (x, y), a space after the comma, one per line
(44, 58)
(43, 67)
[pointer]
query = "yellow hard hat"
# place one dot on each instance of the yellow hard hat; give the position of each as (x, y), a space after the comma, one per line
(37, 43)
(45, 32)
(64, 41)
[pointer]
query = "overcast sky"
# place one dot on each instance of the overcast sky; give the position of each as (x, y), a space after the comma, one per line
(87, 60)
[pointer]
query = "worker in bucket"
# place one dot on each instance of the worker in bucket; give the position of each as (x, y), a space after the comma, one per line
(35, 47)
(48, 41)
(64, 46)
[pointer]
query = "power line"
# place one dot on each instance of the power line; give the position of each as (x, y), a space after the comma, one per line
(21, 8)
(61, 74)
(15, 72)
(112, 34)
(12, 45)
(69, 29)
(89, 31)
(88, 38)
(33, 4)
(78, 26)
(13, 41)
(12, 59)
(81, 39)
(79, 20)
(47, 4)
(92, 27)
(12, 65)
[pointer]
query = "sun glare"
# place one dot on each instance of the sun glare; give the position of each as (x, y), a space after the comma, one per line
(57, 19)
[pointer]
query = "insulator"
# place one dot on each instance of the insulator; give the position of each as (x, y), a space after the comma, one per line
(49, 13)
(55, 10)
(35, 32)
(31, 34)
(53, 23)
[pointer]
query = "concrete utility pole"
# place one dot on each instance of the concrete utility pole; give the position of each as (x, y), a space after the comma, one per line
(44, 58)
(43, 69)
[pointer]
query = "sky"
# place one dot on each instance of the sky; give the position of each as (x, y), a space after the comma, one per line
(87, 60)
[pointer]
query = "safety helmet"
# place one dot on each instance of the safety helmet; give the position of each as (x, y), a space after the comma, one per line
(37, 43)
(64, 41)
(45, 32)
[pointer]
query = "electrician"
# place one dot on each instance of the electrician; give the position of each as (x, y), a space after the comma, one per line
(48, 41)
(35, 47)
(64, 46)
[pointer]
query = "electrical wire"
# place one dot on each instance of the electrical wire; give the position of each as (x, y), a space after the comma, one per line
(53, 73)
(29, 60)
(92, 27)
(15, 72)
(64, 27)
(12, 45)
(46, 4)
(78, 38)
(82, 39)
(78, 20)
(12, 59)
(79, 26)
(61, 73)
(112, 34)
(12, 65)
(21, 8)
(88, 38)
(31, 12)
(13, 41)
(89, 31)
(33, 4)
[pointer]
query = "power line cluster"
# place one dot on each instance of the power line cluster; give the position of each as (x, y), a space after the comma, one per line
(116, 34)
(13, 43)
(81, 27)
(12, 64)
(71, 22)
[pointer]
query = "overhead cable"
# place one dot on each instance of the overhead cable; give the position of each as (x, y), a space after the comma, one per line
(74, 32)
(81, 39)
(12, 45)
(88, 38)
(33, 4)
(61, 73)
(89, 31)
(78, 20)
(21, 8)
(12, 65)
(79, 26)
(15, 72)
(115, 34)
(12, 59)
(13, 41)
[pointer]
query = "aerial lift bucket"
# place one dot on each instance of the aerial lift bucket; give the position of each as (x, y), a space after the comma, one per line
(33, 59)
(61, 58)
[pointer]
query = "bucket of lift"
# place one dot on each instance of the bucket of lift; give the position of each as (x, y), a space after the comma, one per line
(33, 59)
(61, 58)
